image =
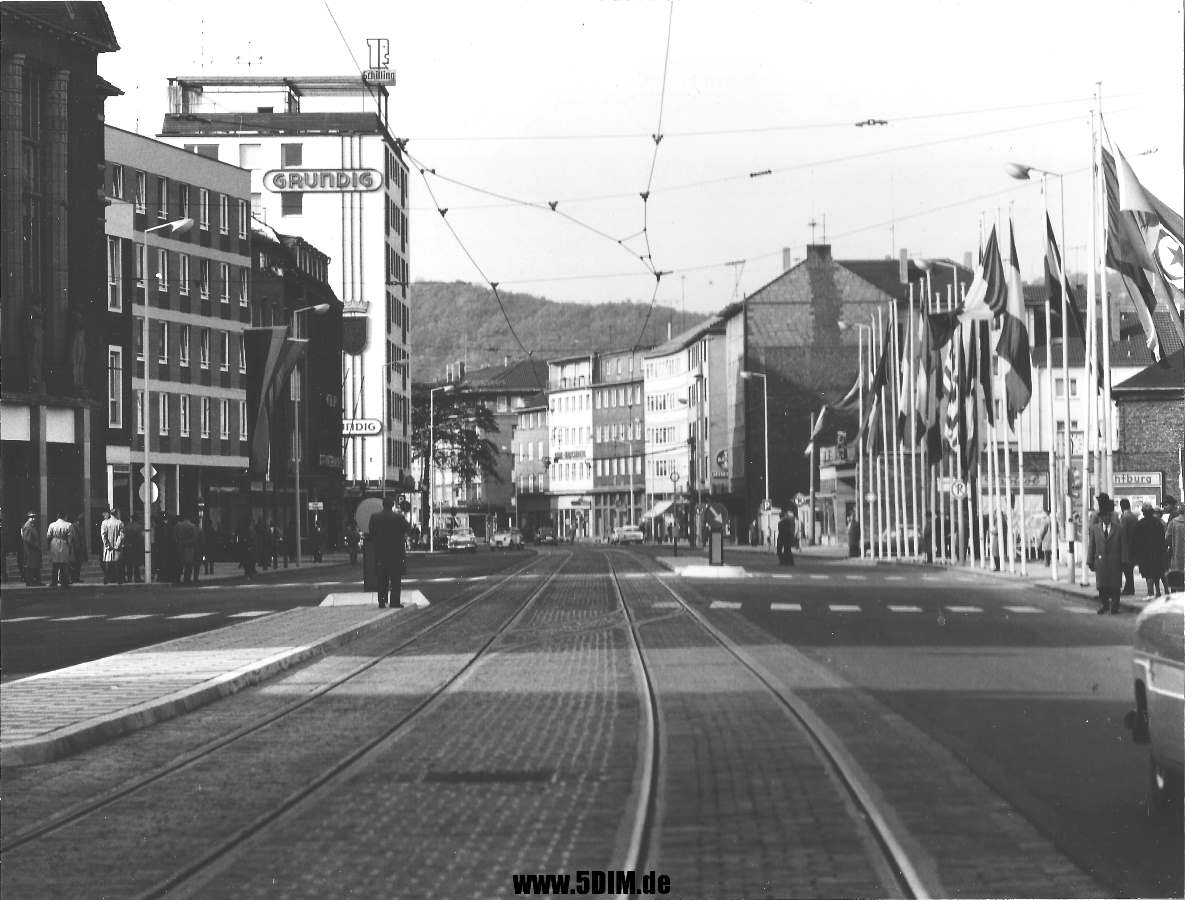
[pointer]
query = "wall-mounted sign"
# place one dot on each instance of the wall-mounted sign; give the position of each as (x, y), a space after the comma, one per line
(360, 427)
(354, 333)
(1136, 480)
(327, 181)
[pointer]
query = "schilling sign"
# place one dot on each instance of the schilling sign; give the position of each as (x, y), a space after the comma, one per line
(337, 181)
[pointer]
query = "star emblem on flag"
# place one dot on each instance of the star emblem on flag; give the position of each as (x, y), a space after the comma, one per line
(1169, 256)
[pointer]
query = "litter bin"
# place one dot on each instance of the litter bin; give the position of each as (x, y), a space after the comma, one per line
(716, 544)
(370, 579)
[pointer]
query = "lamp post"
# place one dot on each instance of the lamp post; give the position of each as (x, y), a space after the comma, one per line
(317, 309)
(177, 226)
(860, 329)
(1021, 173)
(746, 374)
(432, 458)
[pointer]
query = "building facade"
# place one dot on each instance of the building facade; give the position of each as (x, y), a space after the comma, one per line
(335, 176)
(619, 442)
(570, 437)
(196, 287)
(51, 207)
(532, 464)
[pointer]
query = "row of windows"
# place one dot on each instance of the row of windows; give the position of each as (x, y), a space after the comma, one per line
(184, 197)
(580, 435)
(619, 431)
(666, 435)
(531, 419)
(189, 277)
(618, 465)
(570, 402)
(611, 398)
(660, 402)
(571, 471)
(162, 332)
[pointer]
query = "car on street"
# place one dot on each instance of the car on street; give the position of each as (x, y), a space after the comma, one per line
(545, 535)
(1158, 672)
(627, 534)
(462, 539)
(507, 539)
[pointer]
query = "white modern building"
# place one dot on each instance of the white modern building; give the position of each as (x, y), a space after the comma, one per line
(325, 166)
(570, 439)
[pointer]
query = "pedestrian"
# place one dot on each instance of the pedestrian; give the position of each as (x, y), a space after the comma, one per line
(103, 554)
(60, 538)
(169, 568)
(1106, 553)
(787, 538)
(186, 538)
(352, 537)
(387, 534)
(315, 542)
(1045, 539)
(1148, 550)
(209, 542)
(1174, 538)
(133, 552)
(111, 534)
(275, 543)
(853, 535)
(246, 548)
(31, 549)
(259, 540)
(1127, 524)
(79, 555)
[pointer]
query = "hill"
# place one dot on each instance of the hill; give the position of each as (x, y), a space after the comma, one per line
(456, 320)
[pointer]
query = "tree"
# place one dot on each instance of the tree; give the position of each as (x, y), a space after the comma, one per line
(460, 425)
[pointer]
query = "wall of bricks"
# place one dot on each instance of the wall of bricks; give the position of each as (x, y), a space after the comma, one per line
(1151, 430)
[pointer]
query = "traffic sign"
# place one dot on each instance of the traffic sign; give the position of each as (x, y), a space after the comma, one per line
(360, 427)
(958, 489)
(870, 496)
(674, 478)
(800, 498)
(155, 493)
(316, 505)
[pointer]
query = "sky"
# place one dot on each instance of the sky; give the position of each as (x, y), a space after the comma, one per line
(540, 101)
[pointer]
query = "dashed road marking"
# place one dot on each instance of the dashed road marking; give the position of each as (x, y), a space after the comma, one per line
(856, 577)
(196, 615)
(820, 577)
(1078, 610)
(1024, 609)
(894, 578)
(844, 608)
(899, 608)
(779, 575)
(78, 618)
(786, 607)
(963, 609)
(251, 613)
(666, 604)
(724, 604)
(132, 617)
(25, 619)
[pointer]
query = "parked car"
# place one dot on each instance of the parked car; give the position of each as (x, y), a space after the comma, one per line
(627, 534)
(1158, 669)
(462, 539)
(545, 535)
(507, 539)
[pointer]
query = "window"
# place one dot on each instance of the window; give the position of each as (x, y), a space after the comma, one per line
(183, 345)
(223, 214)
(204, 349)
(139, 412)
(162, 197)
(204, 209)
(242, 420)
(163, 414)
(210, 151)
(224, 359)
(1059, 387)
(114, 386)
(117, 181)
(249, 156)
(243, 286)
(204, 409)
(291, 155)
(183, 200)
(139, 266)
(114, 274)
(140, 189)
(291, 204)
(204, 278)
(163, 359)
(183, 274)
(1073, 387)
(224, 287)
(183, 415)
(162, 270)
(242, 218)
(138, 337)
(242, 356)
(224, 418)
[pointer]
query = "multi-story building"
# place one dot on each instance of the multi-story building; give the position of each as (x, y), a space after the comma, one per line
(532, 463)
(619, 446)
(196, 284)
(51, 209)
(570, 439)
(289, 275)
(325, 168)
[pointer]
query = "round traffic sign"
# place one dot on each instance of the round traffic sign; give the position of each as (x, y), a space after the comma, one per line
(958, 489)
(155, 493)
(674, 477)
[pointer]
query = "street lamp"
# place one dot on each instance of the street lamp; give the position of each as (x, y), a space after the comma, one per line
(317, 309)
(177, 226)
(860, 329)
(745, 374)
(432, 458)
(1021, 173)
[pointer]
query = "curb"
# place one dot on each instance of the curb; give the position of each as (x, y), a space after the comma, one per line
(93, 732)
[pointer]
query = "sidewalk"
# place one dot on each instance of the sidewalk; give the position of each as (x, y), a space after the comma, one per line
(45, 717)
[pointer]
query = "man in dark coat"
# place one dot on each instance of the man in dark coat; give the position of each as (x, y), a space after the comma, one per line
(1106, 554)
(1127, 524)
(387, 533)
(787, 538)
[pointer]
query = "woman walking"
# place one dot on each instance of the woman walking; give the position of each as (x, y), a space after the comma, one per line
(1148, 549)
(1174, 539)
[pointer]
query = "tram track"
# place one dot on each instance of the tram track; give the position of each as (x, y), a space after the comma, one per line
(906, 879)
(92, 805)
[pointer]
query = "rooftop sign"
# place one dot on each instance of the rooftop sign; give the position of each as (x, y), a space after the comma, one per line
(326, 181)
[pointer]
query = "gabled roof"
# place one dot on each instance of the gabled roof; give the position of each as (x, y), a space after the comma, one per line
(525, 375)
(712, 325)
(85, 23)
(1168, 377)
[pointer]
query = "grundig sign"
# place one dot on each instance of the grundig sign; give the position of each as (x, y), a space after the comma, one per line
(361, 427)
(325, 181)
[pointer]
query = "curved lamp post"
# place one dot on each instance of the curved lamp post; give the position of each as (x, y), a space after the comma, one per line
(317, 309)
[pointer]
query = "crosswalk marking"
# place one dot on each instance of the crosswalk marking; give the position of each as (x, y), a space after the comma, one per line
(844, 608)
(1024, 609)
(724, 604)
(196, 615)
(963, 609)
(1082, 611)
(786, 607)
(902, 608)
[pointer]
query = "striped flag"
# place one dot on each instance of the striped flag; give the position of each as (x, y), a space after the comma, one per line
(988, 294)
(1059, 306)
(950, 387)
(816, 431)
(271, 356)
(1013, 345)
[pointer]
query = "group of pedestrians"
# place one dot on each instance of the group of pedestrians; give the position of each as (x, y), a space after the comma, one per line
(1118, 543)
(122, 550)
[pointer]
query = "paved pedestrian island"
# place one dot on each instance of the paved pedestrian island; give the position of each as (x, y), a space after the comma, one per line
(51, 715)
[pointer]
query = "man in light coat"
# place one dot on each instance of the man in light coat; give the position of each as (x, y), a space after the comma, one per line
(61, 538)
(1107, 552)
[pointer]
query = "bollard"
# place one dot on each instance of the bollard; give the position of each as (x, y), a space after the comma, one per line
(716, 545)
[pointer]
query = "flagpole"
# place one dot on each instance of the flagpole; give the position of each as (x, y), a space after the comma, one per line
(961, 525)
(873, 466)
(913, 420)
(895, 389)
(1104, 296)
(948, 455)
(860, 438)
(1054, 549)
(1089, 350)
(886, 478)
(1066, 378)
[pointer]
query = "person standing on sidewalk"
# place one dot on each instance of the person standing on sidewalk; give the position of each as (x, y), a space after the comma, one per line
(1045, 539)
(787, 538)
(351, 539)
(1174, 539)
(1106, 554)
(387, 533)
(133, 551)
(1148, 548)
(187, 539)
(1127, 524)
(60, 538)
(31, 550)
(112, 535)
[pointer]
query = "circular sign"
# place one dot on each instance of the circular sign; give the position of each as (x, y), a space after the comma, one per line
(722, 460)
(766, 506)
(958, 489)
(800, 498)
(155, 493)
(674, 478)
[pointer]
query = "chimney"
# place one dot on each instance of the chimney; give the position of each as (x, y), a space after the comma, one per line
(967, 257)
(506, 361)
(668, 329)
(903, 267)
(448, 372)
(820, 252)
(787, 259)
(460, 369)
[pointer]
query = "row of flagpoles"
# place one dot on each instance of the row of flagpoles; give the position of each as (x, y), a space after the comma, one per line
(945, 378)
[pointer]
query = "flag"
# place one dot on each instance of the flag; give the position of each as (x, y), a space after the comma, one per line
(950, 389)
(1136, 222)
(1058, 306)
(970, 433)
(988, 294)
(271, 356)
(879, 379)
(816, 431)
(1013, 345)
(851, 400)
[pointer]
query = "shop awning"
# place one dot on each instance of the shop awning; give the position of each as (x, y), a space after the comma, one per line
(658, 509)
